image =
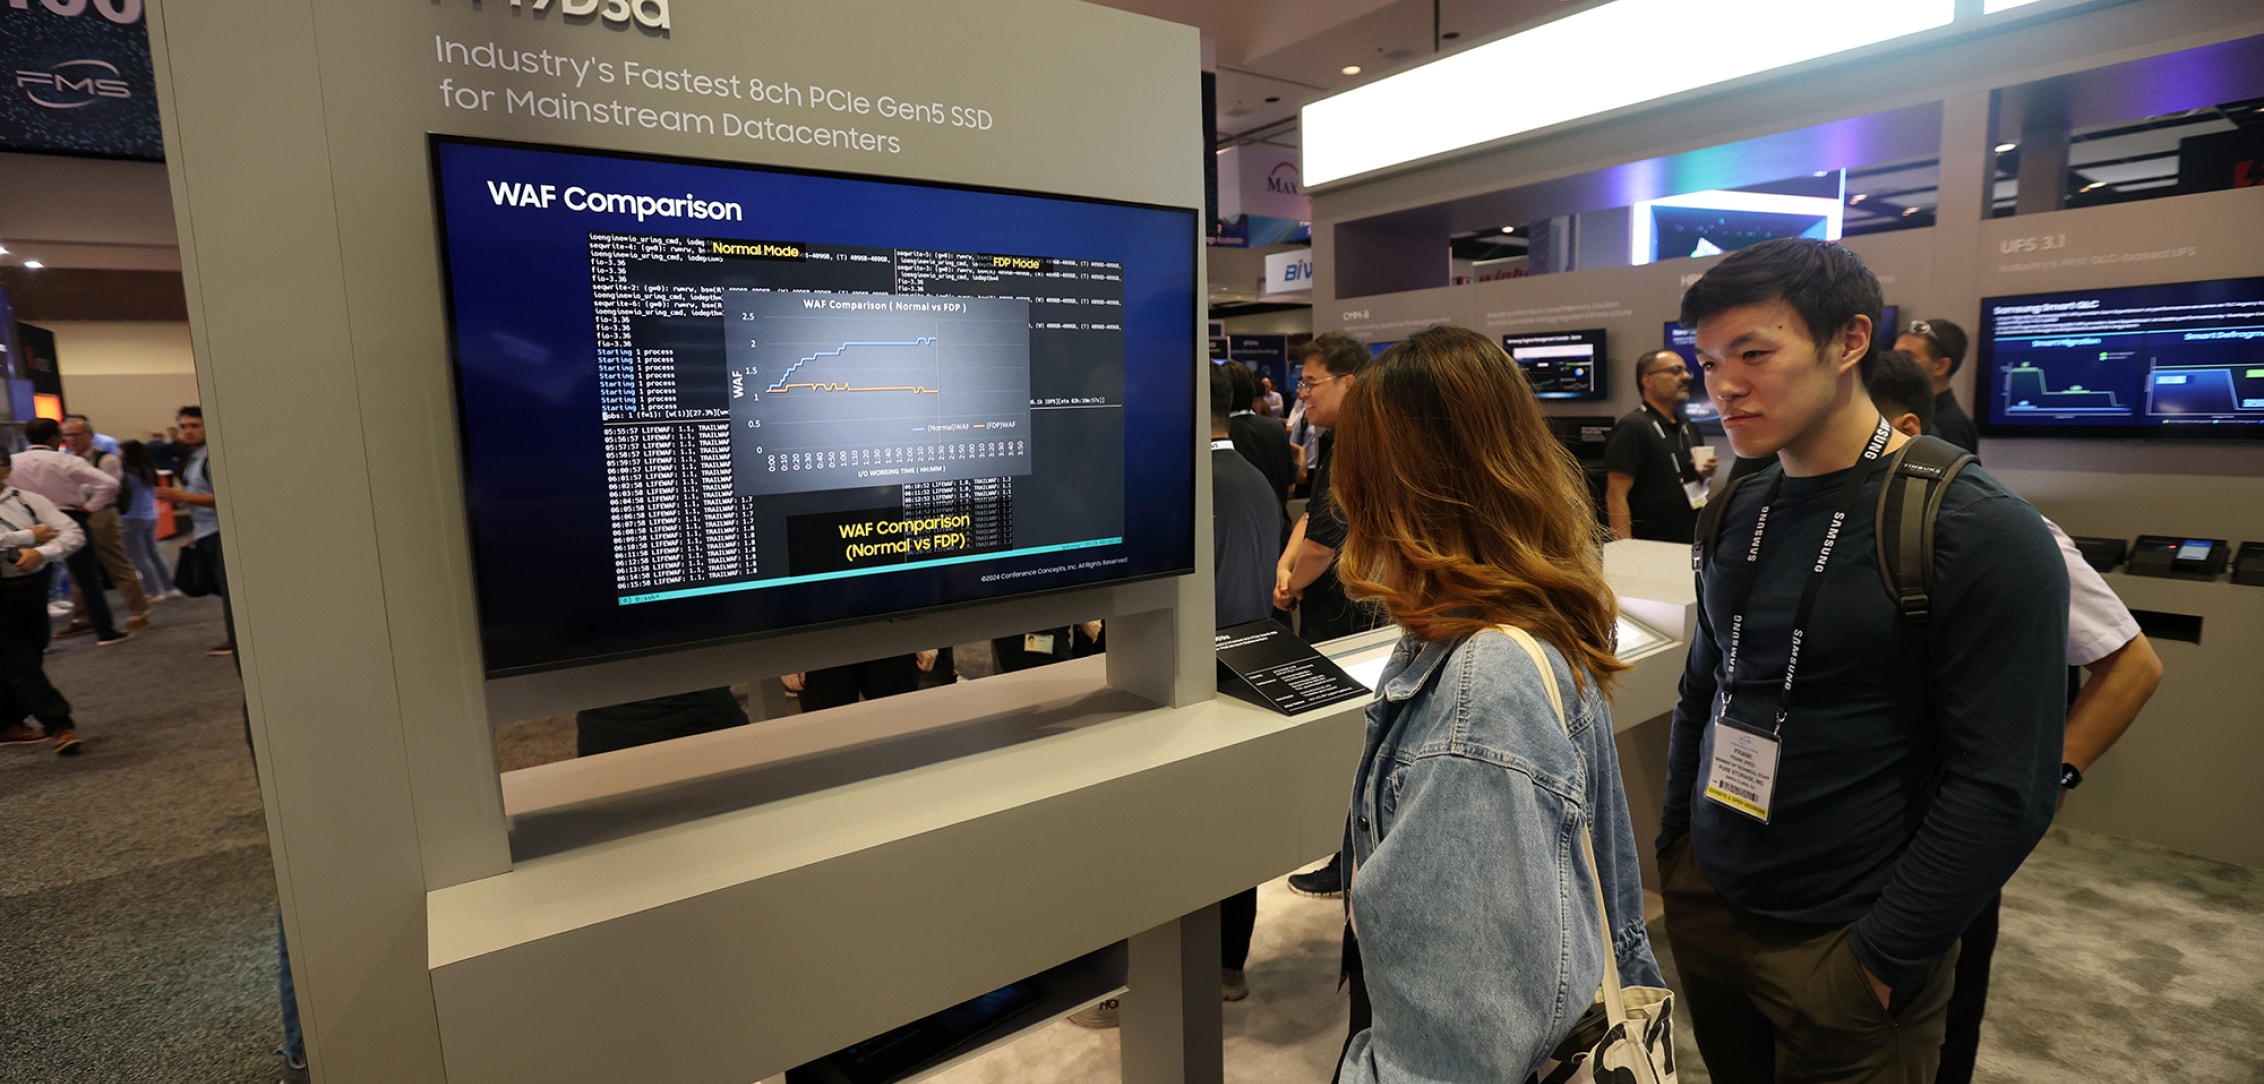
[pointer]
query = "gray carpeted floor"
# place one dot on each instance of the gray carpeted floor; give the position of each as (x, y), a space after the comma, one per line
(137, 904)
(137, 918)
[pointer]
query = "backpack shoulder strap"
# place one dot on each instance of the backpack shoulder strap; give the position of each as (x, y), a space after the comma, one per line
(1710, 524)
(1918, 478)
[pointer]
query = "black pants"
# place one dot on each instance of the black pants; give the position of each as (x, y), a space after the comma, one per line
(1237, 920)
(838, 685)
(86, 571)
(24, 629)
(1970, 996)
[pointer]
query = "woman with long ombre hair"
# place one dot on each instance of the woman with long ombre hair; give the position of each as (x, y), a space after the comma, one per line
(1473, 905)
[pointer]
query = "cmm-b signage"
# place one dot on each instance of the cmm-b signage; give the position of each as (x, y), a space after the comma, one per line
(78, 79)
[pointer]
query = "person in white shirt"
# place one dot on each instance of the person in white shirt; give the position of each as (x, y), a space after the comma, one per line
(104, 535)
(34, 535)
(78, 488)
(2102, 638)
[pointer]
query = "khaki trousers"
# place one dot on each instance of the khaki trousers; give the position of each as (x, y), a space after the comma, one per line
(109, 544)
(1776, 1002)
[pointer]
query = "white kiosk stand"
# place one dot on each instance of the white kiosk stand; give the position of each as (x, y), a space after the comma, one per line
(960, 839)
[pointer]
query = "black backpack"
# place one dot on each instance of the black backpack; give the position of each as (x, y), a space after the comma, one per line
(1918, 477)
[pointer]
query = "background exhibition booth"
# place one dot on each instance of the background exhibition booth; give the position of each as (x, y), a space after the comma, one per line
(2065, 181)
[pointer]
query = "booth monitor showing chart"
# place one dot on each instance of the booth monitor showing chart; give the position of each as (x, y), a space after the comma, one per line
(2184, 360)
(702, 401)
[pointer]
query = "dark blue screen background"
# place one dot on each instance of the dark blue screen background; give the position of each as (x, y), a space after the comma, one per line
(2126, 377)
(523, 337)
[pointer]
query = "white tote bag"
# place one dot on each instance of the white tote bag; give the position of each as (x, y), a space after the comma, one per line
(1627, 1037)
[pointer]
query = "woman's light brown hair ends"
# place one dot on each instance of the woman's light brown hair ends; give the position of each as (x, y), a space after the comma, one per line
(1462, 510)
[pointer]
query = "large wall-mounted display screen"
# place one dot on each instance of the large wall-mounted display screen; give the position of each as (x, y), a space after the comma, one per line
(702, 401)
(2183, 361)
(1561, 364)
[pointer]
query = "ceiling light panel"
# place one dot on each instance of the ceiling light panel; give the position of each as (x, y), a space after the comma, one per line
(1457, 101)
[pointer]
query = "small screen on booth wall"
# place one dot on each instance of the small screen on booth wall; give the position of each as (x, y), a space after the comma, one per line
(703, 401)
(1561, 364)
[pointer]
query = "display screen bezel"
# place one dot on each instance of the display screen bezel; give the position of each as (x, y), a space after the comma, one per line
(1181, 561)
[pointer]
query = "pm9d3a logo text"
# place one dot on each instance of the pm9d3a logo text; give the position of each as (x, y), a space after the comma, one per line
(651, 14)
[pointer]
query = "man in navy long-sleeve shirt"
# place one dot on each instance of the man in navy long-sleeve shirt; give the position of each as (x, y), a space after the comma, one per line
(1829, 833)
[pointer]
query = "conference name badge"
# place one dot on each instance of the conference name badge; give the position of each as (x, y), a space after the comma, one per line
(1742, 773)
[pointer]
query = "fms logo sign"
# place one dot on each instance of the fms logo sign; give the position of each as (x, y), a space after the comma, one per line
(73, 84)
(78, 79)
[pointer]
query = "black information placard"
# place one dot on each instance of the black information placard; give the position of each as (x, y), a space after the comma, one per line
(1266, 664)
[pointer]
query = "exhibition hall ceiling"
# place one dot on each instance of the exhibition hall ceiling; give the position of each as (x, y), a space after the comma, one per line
(1273, 56)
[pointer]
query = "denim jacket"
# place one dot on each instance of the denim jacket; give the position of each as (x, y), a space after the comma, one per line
(1473, 906)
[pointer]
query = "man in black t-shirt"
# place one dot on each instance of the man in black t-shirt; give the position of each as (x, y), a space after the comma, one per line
(1939, 347)
(1653, 488)
(1845, 789)
(1305, 578)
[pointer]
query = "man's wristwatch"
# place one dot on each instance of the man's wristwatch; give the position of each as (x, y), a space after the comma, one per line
(2069, 777)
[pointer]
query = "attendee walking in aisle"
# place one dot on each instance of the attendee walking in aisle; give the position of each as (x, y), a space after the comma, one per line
(2103, 640)
(196, 492)
(1939, 346)
(109, 444)
(1655, 485)
(36, 534)
(1269, 399)
(137, 519)
(104, 534)
(1476, 920)
(1845, 791)
(78, 488)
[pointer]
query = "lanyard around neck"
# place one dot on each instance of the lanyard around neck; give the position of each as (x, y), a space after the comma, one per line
(1848, 491)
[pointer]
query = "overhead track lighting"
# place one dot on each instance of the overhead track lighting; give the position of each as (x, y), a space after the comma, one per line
(1456, 101)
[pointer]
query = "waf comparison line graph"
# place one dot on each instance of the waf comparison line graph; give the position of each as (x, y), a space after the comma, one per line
(785, 382)
(857, 391)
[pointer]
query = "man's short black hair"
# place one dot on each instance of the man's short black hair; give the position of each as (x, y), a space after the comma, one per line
(1339, 353)
(43, 431)
(1222, 392)
(1900, 385)
(1947, 339)
(1245, 385)
(190, 411)
(1825, 283)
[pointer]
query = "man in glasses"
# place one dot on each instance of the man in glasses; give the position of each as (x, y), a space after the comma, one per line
(1939, 346)
(1655, 485)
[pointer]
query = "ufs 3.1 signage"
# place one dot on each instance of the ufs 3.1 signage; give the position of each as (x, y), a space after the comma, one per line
(78, 79)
